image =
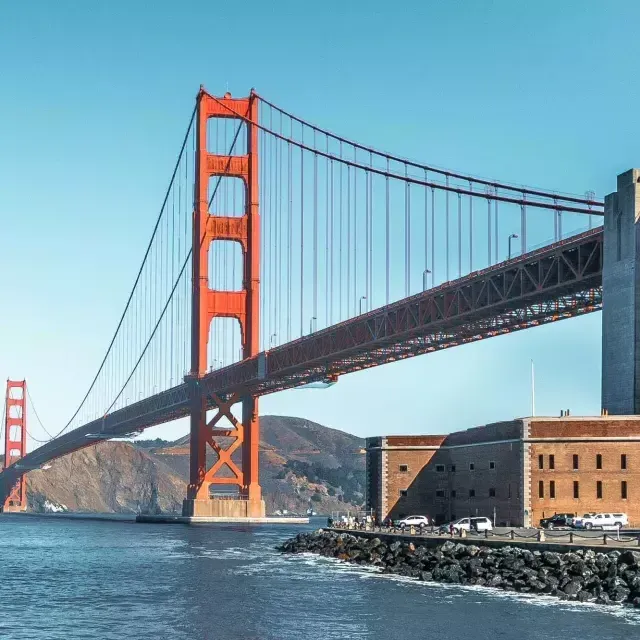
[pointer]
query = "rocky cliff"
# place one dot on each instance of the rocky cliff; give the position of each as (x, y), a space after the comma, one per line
(302, 463)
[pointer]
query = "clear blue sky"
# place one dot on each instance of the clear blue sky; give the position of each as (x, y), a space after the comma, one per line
(93, 102)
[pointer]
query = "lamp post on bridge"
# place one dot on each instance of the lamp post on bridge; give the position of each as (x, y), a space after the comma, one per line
(513, 236)
(312, 324)
(361, 299)
(425, 276)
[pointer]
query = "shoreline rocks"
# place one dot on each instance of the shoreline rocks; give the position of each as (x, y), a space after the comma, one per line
(583, 575)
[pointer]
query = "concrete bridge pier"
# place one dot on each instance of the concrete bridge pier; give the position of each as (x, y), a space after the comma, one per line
(621, 298)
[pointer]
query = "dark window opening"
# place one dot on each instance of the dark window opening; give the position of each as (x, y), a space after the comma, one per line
(540, 489)
(440, 493)
(552, 489)
(623, 489)
(492, 493)
(440, 468)
(576, 461)
(623, 461)
(403, 493)
(453, 468)
(472, 493)
(576, 489)
(599, 461)
(552, 462)
(453, 493)
(492, 465)
(472, 466)
(599, 490)
(540, 461)
(404, 468)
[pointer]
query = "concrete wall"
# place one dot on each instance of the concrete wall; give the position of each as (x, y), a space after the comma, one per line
(621, 291)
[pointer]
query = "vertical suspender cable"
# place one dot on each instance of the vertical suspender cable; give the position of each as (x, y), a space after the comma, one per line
(326, 239)
(387, 232)
(425, 284)
(331, 236)
(370, 294)
(447, 230)
(459, 236)
(315, 232)
(348, 240)
(488, 231)
(470, 228)
(523, 226)
(497, 230)
(340, 270)
(433, 236)
(290, 240)
(302, 235)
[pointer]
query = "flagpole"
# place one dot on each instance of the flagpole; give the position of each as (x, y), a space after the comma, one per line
(533, 391)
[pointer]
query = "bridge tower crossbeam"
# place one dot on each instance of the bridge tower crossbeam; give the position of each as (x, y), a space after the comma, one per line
(15, 441)
(242, 305)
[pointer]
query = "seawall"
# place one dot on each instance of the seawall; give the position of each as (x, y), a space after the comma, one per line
(582, 573)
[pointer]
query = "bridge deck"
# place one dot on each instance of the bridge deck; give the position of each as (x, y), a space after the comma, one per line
(561, 280)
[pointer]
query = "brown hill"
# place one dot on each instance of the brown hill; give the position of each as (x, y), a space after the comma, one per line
(112, 477)
(302, 463)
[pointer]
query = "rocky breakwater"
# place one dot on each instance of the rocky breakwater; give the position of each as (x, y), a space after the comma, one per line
(584, 575)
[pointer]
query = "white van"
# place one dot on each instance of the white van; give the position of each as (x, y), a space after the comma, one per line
(472, 524)
(604, 520)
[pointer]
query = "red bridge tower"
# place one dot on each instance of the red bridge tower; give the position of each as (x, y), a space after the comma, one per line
(208, 304)
(15, 440)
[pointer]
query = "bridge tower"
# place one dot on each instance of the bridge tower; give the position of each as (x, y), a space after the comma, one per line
(207, 304)
(15, 440)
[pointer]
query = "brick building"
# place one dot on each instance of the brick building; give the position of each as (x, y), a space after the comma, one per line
(521, 470)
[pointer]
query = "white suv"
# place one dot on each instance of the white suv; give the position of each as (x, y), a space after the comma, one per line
(416, 521)
(602, 520)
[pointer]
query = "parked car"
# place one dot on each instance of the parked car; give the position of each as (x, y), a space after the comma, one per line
(468, 524)
(557, 521)
(577, 521)
(416, 521)
(602, 520)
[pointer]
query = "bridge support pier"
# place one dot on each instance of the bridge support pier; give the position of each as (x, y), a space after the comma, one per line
(621, 298)
(236, 464)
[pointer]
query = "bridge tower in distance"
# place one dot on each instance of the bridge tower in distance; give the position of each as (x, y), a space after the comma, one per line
(15, 440)
(207, 304)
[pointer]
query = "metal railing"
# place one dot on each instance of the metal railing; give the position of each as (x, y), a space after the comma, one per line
(539, 535)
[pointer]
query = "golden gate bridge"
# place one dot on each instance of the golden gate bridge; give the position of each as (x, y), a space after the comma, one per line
(283, 255)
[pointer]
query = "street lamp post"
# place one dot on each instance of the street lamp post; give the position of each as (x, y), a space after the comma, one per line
(272, 340)
(361, 299)
(513, 236)
(312, 324)
(425, 275)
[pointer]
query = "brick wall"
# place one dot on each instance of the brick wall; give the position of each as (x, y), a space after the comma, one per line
(440, 483)
(563, 475)
(438, 478)
(413, 503)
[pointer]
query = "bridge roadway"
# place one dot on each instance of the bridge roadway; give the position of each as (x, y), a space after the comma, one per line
(561, 280)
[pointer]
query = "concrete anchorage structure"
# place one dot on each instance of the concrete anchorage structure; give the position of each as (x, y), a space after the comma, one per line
(517, 471)
(621, 298)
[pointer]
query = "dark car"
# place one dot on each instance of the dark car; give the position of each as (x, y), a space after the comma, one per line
(557, 520)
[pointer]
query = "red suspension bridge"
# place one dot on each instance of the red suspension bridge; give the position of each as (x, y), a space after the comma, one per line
(283, 255)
